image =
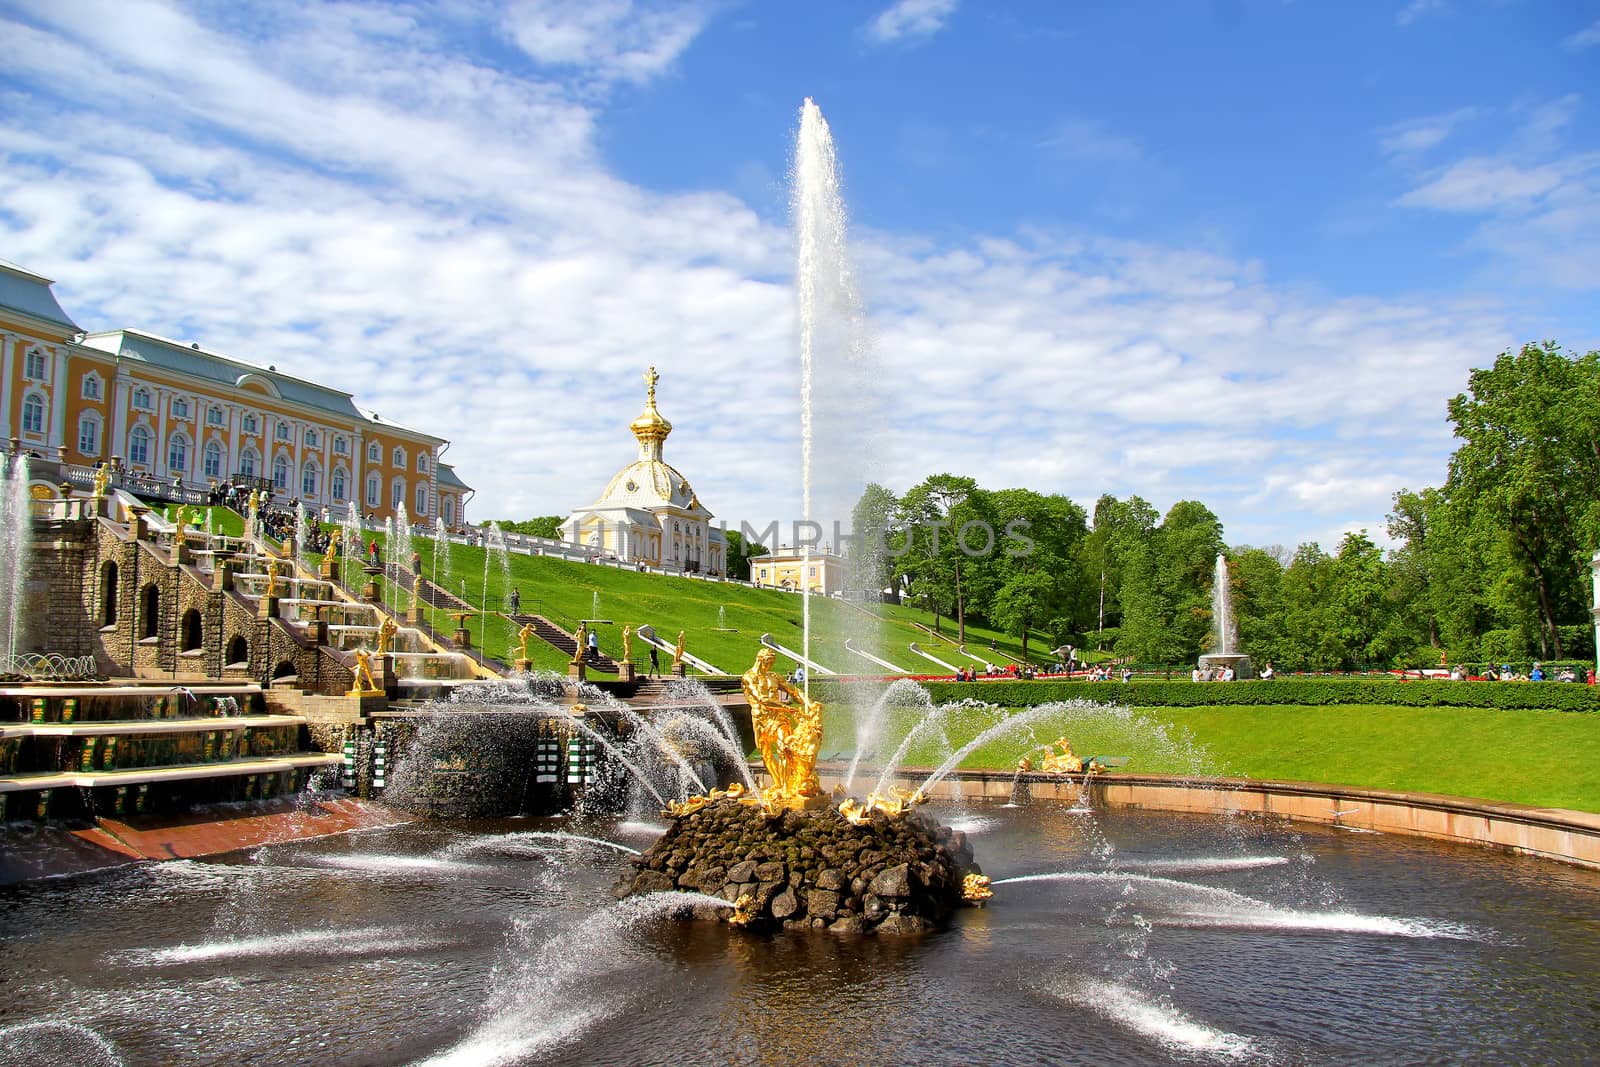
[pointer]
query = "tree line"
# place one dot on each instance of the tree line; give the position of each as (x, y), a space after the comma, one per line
(1491, 566)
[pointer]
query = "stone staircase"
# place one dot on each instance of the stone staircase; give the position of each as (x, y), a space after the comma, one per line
(565, 643)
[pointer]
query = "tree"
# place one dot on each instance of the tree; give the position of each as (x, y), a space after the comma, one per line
(1034, 570)
(934, 511)
(548, 526)
(1528, 468)
(740, 553)
(872, 561)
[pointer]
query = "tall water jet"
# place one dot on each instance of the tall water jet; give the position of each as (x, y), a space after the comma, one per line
(1224, 627)
(837, 387)
(16, 516)
(400, 551)
(441, 551)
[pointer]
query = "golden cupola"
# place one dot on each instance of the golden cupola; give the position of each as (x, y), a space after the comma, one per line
(650, 428)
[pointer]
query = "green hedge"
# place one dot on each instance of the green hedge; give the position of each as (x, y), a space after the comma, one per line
(1546, 696)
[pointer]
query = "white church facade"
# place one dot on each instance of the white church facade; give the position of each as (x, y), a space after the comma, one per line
(648, 513)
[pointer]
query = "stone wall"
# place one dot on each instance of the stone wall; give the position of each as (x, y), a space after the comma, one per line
(76, 567)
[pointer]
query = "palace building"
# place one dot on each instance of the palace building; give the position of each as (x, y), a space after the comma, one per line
(176, 411)
(648, 513)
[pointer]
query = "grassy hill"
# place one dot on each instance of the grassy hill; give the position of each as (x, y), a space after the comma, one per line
(723, 621)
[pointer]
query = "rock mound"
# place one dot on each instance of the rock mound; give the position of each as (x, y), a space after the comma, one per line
(810, 869)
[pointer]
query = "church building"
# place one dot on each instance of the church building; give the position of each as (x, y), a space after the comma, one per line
(648, 513)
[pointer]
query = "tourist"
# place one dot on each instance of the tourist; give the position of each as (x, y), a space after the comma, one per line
(1127, 674)
(372, 551)
(1227, 673)
(655, 661)
(1267, 673)
(516, 602)
(1537, 675)
(594, 644)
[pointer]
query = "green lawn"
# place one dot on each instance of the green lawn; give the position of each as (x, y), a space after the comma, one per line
(1541, 758)
(723, 622)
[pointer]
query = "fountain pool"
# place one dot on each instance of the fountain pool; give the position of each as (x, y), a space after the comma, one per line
(1154, 939)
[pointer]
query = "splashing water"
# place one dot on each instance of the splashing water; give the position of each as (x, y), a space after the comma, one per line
(16, 518)
(869, 727)
(541, 998)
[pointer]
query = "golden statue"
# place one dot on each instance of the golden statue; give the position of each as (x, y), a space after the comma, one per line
(788, 730)
(975, 889)
(255, 500)
(1066, 762)
(177, 534)
(677, 653)
(522, 638)
(627, 644)
(331, 556)
(363, 673)
(272, 577)
(583, 638)
(102, 480)
(386, 631)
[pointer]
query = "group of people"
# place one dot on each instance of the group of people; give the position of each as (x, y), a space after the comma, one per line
(1507, 673)
(1225, 673)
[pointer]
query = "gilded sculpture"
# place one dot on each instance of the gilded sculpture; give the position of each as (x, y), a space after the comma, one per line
(677, 653)
(583, 639)
(627, 644)
(102, 480)
(522, 638)
(272, 577)
(331, 556)
(788, 730)
(362, 684)
(386, 631)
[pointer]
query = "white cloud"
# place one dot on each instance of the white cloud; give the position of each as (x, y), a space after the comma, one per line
(1482, 184)
(1419, 9)
(456, 255)
(910, 20)
(1419, 135)
(615, 38)
(1585, 38)
(1538, 202)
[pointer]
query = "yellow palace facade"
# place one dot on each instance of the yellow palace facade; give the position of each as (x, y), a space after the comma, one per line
(174, 411)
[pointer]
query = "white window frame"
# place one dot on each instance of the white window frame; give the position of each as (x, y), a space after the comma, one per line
(89, 425)
(36, 401)
(421, 501)
(397, 493)
(374, 452)
(338, 485)
(91, 387)
(422, 463)
(36, 365)
(280, 464)
(341, 445)
(397, 458)
(282, 432)
(309, 474)
(250, 424)
(249, 462)
(141, 400)
(140, 435)
(374, 490)
(180, 408)
(178, 445)
(212, 449)
(311, 439)
(215, 416)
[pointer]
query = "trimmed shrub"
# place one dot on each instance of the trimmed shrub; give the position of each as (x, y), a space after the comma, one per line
(1505, 696)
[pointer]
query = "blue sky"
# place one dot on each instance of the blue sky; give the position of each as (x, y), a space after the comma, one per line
(1241, 252)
